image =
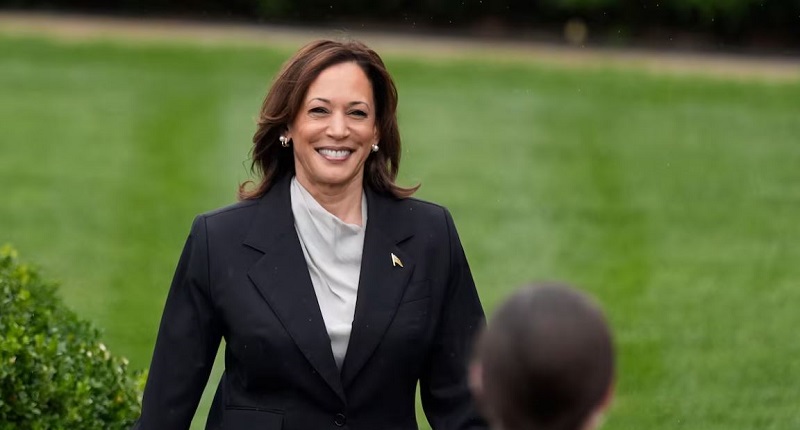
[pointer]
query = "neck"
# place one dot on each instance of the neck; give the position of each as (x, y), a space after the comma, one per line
(342, 201)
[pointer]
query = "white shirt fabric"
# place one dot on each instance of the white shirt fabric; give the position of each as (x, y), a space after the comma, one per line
(333, 250)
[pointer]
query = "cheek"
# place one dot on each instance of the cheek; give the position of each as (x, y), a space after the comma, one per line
(368, 134)
(306, 130)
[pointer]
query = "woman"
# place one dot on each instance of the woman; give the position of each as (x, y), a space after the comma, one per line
(545, 362)
(335, 291)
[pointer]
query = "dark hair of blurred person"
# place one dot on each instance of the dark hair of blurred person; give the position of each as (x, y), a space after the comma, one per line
(545, 361)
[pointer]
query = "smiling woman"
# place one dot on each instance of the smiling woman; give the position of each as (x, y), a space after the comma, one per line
(335, 291)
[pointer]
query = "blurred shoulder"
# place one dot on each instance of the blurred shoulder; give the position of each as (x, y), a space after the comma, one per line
(230, 217)
(423, 208)
(230, 212)
(422, 213)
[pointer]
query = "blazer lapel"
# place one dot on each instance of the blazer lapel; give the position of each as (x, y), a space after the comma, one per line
(381, 284)
(281, 276)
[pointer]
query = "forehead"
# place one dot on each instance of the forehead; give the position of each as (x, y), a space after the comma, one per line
(341, 81)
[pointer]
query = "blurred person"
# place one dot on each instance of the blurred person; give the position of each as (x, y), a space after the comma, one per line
(544, 362)
(335, 291)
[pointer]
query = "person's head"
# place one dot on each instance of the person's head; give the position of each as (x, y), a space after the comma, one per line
(544, 362)
(334, 106)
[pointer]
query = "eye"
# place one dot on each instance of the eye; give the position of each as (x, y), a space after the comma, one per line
(319, 110)
(358, 113)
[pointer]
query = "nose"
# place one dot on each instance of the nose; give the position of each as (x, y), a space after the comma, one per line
(337, 126)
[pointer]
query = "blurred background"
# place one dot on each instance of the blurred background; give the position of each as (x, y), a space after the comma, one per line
(646, 151)
(735, 24)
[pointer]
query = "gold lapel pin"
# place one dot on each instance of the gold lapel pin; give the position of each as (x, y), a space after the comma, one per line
(396, 261)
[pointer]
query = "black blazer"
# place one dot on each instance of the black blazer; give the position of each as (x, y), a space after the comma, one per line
(242, 276)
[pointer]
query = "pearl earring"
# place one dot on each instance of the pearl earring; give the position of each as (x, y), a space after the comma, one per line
(374, 147)
(284, 141)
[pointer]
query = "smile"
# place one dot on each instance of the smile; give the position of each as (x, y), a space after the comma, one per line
(335, 154)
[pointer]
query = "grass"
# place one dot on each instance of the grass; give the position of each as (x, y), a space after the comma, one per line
(674, 200)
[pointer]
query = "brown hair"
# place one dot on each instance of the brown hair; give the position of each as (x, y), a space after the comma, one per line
(282, 104)
(547, 360)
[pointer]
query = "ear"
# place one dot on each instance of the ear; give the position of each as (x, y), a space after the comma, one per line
(475, 379)
(607, 399)
(598, 414)
(376, 134)
(288, 132)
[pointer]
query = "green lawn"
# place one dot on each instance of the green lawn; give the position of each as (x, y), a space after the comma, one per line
(676, 201)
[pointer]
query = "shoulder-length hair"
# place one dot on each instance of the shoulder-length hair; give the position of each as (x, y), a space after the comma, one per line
(271, 161)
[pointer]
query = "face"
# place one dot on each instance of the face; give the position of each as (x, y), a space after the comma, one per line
(334, 130)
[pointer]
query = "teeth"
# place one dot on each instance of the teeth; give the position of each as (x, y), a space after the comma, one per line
(332, 153)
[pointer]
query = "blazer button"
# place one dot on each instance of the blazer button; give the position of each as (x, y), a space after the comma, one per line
(340, 420)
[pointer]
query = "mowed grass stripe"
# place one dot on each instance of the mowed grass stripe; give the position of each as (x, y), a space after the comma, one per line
(674, 200)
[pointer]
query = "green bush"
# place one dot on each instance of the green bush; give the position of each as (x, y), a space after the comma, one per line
(54, 371)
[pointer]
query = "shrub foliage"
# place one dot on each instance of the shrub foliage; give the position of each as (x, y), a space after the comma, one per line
(54, 371)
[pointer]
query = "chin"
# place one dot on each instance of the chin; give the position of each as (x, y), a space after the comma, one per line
(336, 179)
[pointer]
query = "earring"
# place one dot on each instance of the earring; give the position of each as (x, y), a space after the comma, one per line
(374, 147)
(284, 141)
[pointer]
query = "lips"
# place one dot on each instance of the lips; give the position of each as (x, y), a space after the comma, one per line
(335, 154)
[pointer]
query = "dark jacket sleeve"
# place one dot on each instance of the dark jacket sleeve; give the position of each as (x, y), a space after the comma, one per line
(446, 399)
(187, 343)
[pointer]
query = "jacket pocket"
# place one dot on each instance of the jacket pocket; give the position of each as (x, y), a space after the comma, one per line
(413, 316)
(246, 418)
(416, 291)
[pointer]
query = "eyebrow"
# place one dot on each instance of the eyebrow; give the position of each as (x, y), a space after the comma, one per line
(351, 104)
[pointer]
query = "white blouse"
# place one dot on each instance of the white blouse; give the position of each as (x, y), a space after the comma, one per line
(332, 249)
